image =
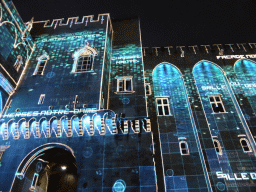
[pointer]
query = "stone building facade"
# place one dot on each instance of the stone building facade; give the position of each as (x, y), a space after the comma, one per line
(85, 107)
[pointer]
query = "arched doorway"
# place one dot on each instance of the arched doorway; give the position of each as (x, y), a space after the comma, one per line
(51, 168)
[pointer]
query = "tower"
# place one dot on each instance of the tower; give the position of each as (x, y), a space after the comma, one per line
(77, 130)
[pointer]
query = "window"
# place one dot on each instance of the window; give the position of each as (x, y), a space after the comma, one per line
(217, 146)
(84, 59)
(124, 84)
(42, 60)
(41, 99)
(163, 106)
(216, 103)
(245, 145)
(183, 148)
(34, 182)
(148, 89)
(84, 63)
(18, 63)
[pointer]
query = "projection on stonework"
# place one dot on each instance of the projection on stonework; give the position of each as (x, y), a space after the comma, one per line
(12, 30)
(246, 76)
(176, 131)
(226, 124)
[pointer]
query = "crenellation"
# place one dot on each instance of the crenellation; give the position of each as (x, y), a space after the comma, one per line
(102, 18)
(215, 49)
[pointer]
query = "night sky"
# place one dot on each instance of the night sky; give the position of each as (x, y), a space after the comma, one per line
(163, 23)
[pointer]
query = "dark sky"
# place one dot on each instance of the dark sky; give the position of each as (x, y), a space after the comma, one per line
(163, 23)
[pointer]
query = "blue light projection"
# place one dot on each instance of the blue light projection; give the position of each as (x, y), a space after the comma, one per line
(33, 128)
(11, 129)
(1, 102)
(4, 83)
(246, 75)
(119, 186)
(75, 126)
(224, 126)
(22, 128)
(54, 126)
(64, 126)
(86, 123)
(43, 127)
(168, 82)
(2, 128)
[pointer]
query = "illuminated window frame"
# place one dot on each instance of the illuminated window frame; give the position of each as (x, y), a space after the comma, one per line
(184, 150)
(121, 85)
(148, 89)
(217, 146)
(246, 147)
(217, 101)
(163, 106)
(41, 99)
(86, 52)
(41, 64)
(84, 63)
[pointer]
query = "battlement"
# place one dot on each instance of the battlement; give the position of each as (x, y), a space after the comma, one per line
(222, 51)
(102, 18)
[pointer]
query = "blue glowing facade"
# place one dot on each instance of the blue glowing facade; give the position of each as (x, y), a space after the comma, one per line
(84, 107)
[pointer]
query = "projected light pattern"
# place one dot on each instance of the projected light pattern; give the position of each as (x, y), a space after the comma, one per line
(75, 126)
(177, 127)
(245, 89)
(127, 61)
(224, 126)
(22, 128)
(5, 84)
(61, 63)
(11, 29)
(44, 127)
(119, 186)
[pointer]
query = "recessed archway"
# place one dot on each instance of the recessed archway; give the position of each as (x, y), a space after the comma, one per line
(50, 167)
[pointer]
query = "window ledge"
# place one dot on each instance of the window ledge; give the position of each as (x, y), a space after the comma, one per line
(37, 74)
(91, 71)
(124, 92)
(218, 113)
(163, 115)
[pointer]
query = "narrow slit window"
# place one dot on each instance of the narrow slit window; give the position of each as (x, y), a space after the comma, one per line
(216, 104)
(148, 89)
(245, 145)
(18, 63)
(40, 67)
(217, 146)
(184, 148)
(41, 99)
(163, 108)
(34, 181)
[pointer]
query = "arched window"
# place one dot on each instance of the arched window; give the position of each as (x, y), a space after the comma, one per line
(217, 146)
(184, 148)
(42, 60)
(245, 145)
(18, 63)
(84, 59)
